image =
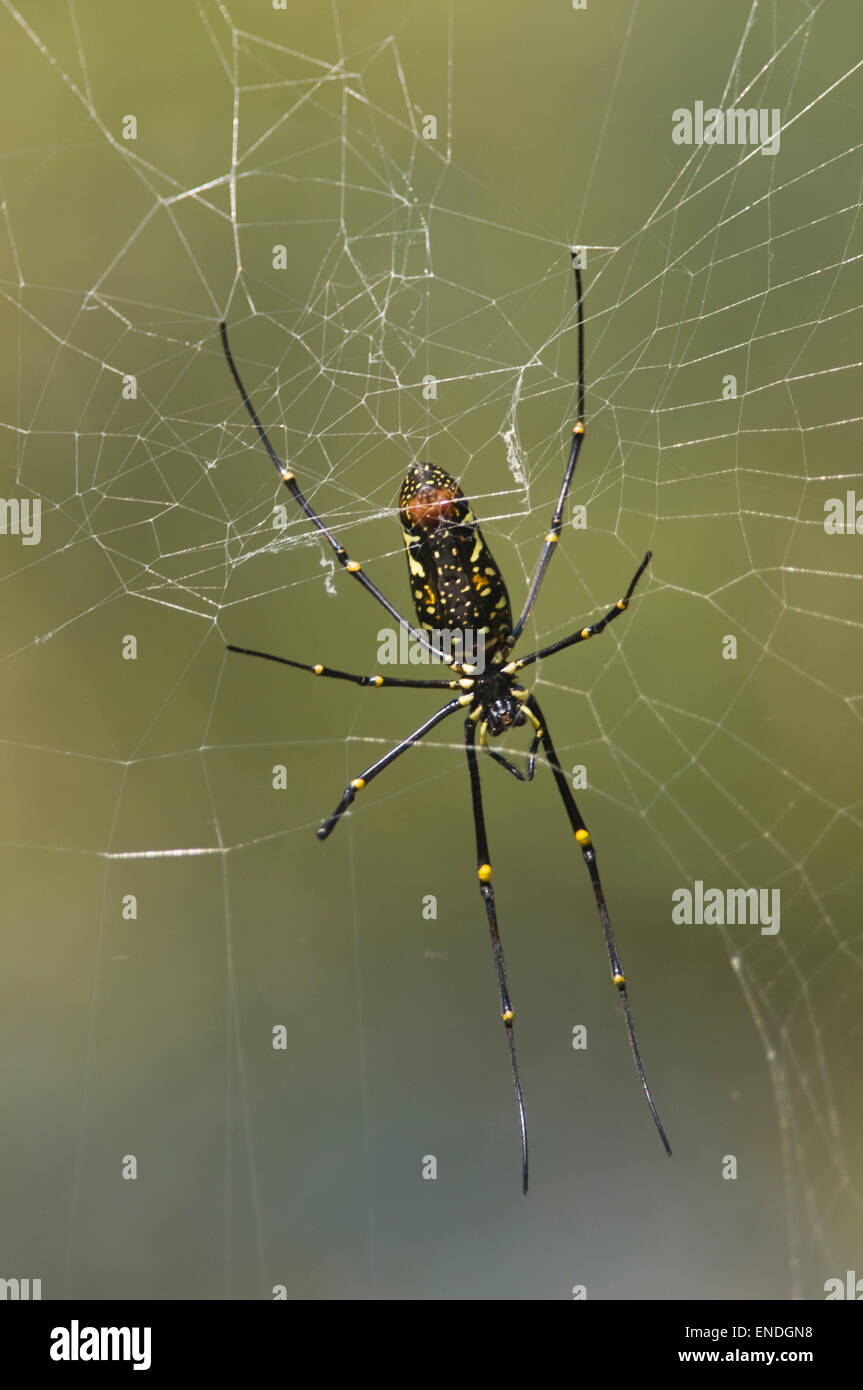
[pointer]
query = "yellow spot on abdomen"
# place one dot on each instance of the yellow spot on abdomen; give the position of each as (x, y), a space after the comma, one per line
(583, 837)
(358, 783)
(508, 1016)
(484, 873)
(318, 670)
(353, 566)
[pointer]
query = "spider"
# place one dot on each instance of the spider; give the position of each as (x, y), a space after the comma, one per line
(457, 587)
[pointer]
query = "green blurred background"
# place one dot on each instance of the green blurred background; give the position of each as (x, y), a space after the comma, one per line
(408, 257)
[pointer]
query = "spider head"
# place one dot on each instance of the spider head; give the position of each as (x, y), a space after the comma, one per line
(502, 711)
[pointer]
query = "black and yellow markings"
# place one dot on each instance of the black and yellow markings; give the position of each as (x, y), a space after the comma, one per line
(319, 670)
(454, 578)
(457, 587)
(483, 873)
(538, 729)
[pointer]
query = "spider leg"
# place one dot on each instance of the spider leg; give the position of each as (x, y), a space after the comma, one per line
(374, 681)
(485, 888)
(357, 783)
(589, 853)
(582, 635)
(353, 567)
(575, 448)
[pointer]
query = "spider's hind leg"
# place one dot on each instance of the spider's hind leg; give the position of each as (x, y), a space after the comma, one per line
(485, 888)
(585, 844)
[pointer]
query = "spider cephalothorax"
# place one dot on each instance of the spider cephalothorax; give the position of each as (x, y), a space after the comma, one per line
(500, 701)
(458, 589)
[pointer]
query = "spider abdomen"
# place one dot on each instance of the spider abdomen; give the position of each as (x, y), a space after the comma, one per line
(455, 584)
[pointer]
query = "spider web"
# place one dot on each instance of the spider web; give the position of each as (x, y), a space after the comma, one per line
(423, 307)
